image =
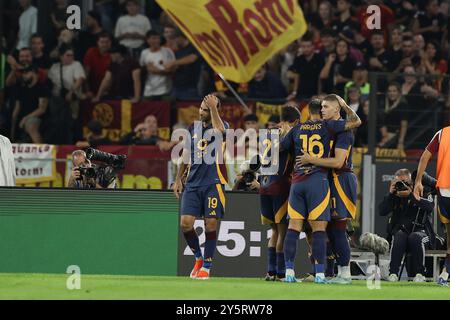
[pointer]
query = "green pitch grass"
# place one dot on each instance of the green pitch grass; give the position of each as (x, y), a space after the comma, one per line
(48, 286)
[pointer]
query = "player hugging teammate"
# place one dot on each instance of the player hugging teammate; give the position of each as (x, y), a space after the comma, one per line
(311, 191)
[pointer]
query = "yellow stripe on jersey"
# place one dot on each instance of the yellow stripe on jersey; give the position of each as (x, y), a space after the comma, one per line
(219, 173)
(221, 194)
(281, 212)
(266, 221)
(351, 207)
(293, 214)
(443, 219)
(313, 215)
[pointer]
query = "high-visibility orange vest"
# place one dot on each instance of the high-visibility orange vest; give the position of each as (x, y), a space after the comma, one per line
(443, 161)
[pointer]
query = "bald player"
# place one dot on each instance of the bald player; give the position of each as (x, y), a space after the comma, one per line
(440, 145)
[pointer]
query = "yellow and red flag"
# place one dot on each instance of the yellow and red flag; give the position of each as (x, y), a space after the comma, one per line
(237, 37)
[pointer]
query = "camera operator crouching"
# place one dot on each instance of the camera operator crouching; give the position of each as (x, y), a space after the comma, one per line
(86, 175)
(409, 228)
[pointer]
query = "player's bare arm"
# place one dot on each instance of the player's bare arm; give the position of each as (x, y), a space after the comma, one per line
(418, 187)
(211, 102)
(178, 184)
(353, 121)
(334, 163)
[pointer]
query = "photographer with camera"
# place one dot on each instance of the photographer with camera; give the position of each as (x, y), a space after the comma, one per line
(81, 164)
(247, 180)
(85, 175)
(409, 227)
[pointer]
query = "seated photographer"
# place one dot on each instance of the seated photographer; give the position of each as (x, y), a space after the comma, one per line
(409, 227)
(77, 178)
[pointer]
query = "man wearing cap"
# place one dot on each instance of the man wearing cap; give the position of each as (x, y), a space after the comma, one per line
(359, 79)
(123, 78)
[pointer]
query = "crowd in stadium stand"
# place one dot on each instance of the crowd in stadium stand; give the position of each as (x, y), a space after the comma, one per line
(130, 51)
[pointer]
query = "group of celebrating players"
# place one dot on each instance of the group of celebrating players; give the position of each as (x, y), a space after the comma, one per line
(324, 141)
(314, 190)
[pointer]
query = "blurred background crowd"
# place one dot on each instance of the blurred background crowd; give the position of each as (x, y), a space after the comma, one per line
(130, 49)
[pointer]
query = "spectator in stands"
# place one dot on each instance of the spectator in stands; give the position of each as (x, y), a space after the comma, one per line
(31, 105)
(88, 38)
(132, 28)
(408, 58)
(322, 19)
(169, 34)
(67, 77)
(338, 69)
(144, 134)
(365, 18)
(327, 42)
(59, 15)
(360, 78)
(25, 59)
(273, 122)
(395, 48)
(65, 38)
(395, 112)
(403, 11)
(379, 60)
(431, 23)
(305, 70)
(97, 62)
(40, 57)
(419, 45)
(266, 85)
(123, 78)
(251, 121)
(186, 67)
(158, 83)
(27, 24)
(431, 61)
(345, 19)
(95, 136)
(282, 61)
(416, 92)
(354, 97)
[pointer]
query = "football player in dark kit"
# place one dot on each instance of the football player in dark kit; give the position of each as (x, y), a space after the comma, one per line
(309, 197)
(343, 184)
(203, 195)
(274, 192)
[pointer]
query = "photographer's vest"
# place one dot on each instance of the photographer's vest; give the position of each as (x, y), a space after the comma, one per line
(443, 161)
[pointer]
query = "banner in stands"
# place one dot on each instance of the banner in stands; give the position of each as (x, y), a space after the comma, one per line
(237, 37)
(35, 163)
(120, 117)
(231, 112)
(146, 167)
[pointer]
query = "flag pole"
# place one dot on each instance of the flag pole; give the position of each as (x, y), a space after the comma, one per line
(236, 95)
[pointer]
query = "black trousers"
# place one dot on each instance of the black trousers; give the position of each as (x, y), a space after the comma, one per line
(414, 244)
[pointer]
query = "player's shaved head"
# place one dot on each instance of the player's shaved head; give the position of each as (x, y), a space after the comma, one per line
(290, 113)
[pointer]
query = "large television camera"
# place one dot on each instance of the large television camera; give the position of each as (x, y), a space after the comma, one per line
(106, 172)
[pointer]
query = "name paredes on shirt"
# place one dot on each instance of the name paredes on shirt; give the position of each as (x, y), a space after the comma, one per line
(315, 126)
